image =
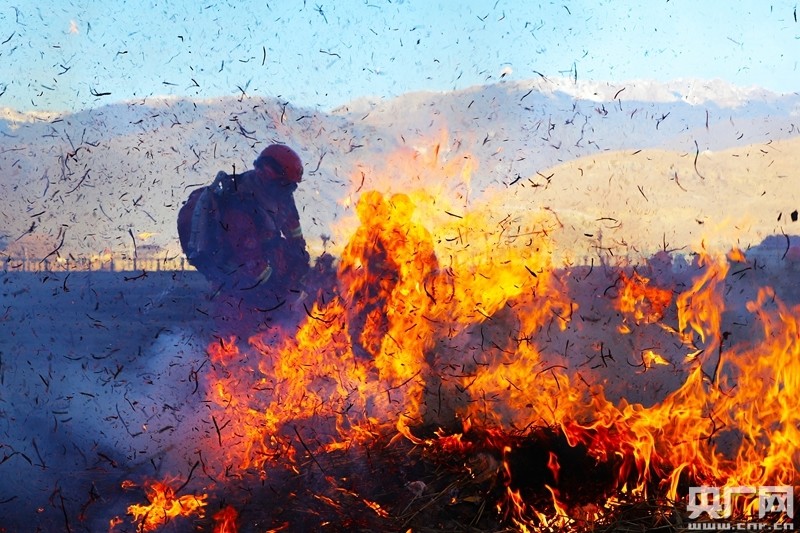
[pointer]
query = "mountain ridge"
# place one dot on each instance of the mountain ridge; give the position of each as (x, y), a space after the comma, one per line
(96, 177)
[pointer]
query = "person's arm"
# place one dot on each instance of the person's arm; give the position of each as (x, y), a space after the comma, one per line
(292, 231)
(285, 215)
(291, 226)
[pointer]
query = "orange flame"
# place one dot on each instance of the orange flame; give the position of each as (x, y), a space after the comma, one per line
(641, 301)
(164, 505)
(441, 313)
(114, 522)
(700, 308)
(225, 520)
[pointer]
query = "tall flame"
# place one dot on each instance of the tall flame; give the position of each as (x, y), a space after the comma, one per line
(445, 311)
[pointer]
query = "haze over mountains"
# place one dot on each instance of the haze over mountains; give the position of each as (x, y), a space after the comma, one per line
(624, 167)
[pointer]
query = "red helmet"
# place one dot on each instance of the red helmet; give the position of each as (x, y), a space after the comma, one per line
(283, 161)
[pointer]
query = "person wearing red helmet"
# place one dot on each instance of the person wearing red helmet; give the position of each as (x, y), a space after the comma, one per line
(243, 231)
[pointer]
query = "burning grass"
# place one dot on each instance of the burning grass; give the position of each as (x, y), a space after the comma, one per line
(464, 482)
(491, 391)
(445, 374)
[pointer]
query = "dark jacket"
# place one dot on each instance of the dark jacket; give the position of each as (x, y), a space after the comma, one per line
(243, 226)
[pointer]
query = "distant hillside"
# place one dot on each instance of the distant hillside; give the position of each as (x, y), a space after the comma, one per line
(632, 203)
(96, 178)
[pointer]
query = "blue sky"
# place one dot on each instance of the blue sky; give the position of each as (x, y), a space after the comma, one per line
(62, 56)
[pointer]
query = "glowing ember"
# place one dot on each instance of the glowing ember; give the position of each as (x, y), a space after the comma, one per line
(114, 522)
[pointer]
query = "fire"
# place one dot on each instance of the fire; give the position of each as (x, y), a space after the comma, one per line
(225, 520)
(114, 522)
(700, 308)
(641, 301)
(649, 358)
(164, 505)
(453, 314)
(744, 397)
